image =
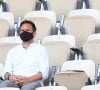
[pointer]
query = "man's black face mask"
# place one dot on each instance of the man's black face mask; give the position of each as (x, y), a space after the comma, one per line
(26, 36)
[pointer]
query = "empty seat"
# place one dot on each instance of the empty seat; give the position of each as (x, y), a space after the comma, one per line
(43, 26)
(91, 87)
(58, 48)
(86, 65)
(91, 49)
(72, 80)
(62, 7)
(75, 74)
(52, 88)
(80, 27)
(20, 7)
(6, 23)
(87, 12)
(6, 44)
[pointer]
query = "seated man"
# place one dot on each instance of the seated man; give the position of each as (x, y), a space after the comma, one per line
(27, 64)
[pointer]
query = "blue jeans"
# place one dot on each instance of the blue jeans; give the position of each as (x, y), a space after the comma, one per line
(29, 86)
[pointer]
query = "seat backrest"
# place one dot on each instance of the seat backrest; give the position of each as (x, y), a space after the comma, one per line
(58, 49)
(91, 49)
(4, 28)
(43, 26)
(88, 66)
(62, 7)
(20, 7)
(80, 28)
(50, 15)
(70, 79)
(6, 44)
(8, 16)
(91, 87)
(52, 88)
(67, 38)
(87, 12)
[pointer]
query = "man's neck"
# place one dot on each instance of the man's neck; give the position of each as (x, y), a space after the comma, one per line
(27, 44)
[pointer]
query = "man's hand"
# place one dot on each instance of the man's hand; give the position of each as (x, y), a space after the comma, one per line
(14, 79)
(20, 80)
(24, 80)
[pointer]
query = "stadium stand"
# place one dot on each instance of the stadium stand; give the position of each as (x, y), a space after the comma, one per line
(80, 27)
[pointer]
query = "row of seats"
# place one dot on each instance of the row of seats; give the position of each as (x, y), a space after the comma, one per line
(84, 25)
(18, 10)
(58, 45)
(69, 23)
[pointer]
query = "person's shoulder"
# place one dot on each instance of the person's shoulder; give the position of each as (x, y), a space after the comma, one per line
(15, 48)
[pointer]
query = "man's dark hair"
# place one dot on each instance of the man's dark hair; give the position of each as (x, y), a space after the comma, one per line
(29, 22)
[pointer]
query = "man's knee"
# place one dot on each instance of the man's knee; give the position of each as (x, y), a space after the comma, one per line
(31, 86)
(4, 83)
(7, 83)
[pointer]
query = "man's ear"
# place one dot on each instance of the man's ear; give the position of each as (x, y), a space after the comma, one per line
(34, 34)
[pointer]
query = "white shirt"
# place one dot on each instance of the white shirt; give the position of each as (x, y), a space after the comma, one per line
(27, 62)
